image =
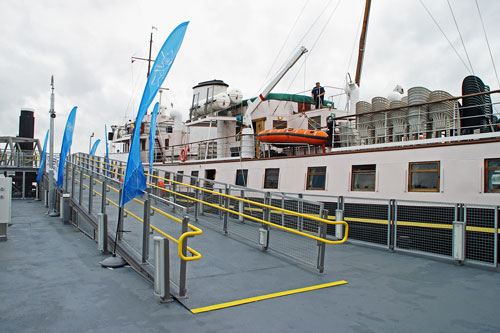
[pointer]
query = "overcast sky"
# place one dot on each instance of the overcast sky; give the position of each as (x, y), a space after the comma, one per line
(88, 45)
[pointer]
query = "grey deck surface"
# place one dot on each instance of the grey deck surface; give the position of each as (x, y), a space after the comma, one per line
(51, 281)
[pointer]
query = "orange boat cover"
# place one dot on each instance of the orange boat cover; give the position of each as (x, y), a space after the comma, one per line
(290, 135)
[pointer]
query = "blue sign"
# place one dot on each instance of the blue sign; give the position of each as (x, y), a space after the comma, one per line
(135, 180)
(66, 145)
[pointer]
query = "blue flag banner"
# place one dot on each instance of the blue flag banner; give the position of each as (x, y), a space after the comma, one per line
(42, 161)
(152, 136)
(66, 145)
(107, 152)
(135, 180)
(94, 147)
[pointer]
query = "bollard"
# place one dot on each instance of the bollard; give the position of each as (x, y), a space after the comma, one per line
(162, 269)
(65, 208)
(102, 233)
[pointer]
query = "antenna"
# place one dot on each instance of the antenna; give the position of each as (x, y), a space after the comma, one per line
(52, 113)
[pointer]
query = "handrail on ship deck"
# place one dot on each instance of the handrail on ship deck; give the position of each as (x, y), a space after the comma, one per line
(286, 211)
(179, 242)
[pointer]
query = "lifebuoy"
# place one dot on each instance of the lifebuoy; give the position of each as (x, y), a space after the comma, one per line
(184, 153)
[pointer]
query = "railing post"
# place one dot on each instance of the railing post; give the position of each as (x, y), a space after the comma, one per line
(221, 202)
(196, 203)
(104, 196)
(264, 228)
(66, 176)
(339, 216)
(120, 170)
(321, 245)
(495, 240)
(162, 269)
(226, 213)
(283, 207)
(145, 227)
(73, 174)
(300, 226)
(241, 208)
(98, 167)
(182, 277)
(102, 232)
(91, 192)
(392, 225)
(121, 220)
(154, 181)
(174, 190)
(459, 228)
(80, 197)
(267, 211)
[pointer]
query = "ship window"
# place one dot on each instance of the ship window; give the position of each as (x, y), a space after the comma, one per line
(194, 175)
(169, 129)
(271, 178)
(316, 177)
(209, 174)
(180, 176)
(424, 177)
(241, 177)
(363, 177)
(143, 144)
(279, 124)
(314, 123)
(492, 175)
(166, 144)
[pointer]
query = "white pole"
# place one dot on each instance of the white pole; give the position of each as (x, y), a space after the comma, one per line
(52, 114)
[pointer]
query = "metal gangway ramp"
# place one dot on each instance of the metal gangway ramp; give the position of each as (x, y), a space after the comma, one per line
(239, 249)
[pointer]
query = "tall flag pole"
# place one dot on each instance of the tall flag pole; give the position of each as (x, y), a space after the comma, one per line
(152, 136)
(135, 181)
(94, 147)
(41, 170)
(66, 145)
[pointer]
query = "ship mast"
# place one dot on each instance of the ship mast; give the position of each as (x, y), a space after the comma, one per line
(149, 58)
(362, 43)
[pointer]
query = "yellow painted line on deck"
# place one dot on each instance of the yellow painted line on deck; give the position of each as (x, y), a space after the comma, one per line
(264, 297)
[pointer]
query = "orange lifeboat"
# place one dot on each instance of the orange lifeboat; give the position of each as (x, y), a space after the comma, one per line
(290, 135)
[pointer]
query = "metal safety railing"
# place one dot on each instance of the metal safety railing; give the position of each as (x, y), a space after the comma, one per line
(302, 231)
(464, 233)
(90, 190)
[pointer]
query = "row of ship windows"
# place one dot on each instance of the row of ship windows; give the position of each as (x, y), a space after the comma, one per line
(423, 177)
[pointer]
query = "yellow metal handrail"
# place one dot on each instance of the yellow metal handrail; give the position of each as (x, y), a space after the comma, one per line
(311, 217)
(261, 220)
(196, 231)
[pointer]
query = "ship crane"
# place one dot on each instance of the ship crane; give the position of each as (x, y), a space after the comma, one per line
(247, 142)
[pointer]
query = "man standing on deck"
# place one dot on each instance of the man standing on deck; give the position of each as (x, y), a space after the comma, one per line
(318, 94)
